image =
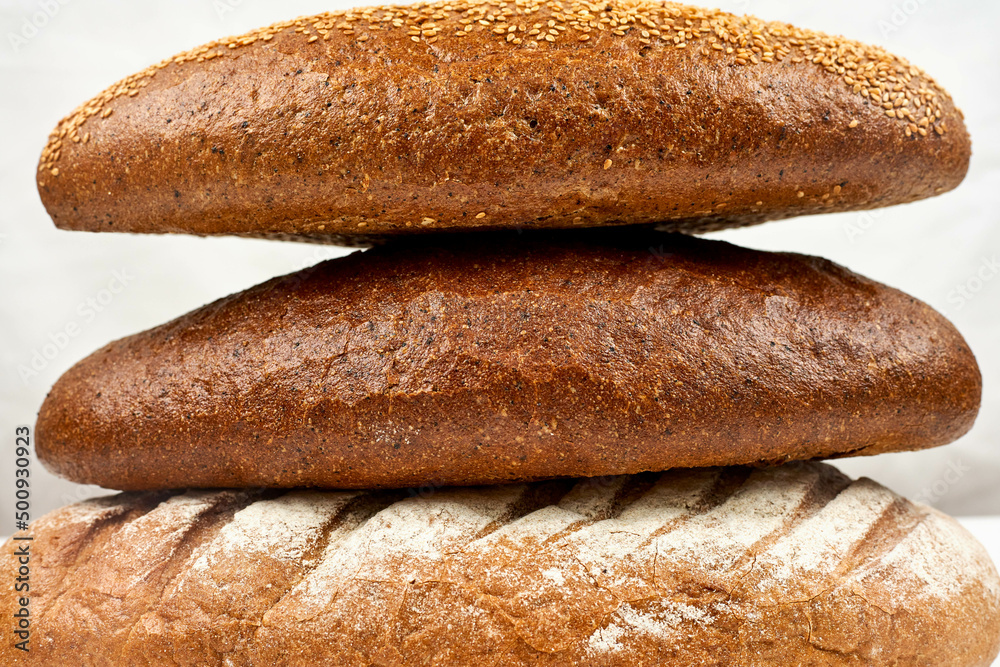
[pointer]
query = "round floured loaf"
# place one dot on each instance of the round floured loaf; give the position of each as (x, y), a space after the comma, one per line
(468, 114)
(794, 565)
(473, 359)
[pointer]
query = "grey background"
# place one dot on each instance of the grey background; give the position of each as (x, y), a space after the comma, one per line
(928, 249)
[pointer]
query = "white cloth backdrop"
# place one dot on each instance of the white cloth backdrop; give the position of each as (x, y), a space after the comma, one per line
(55, 54)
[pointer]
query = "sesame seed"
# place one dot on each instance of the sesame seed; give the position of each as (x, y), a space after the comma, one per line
(607, 164)
(801, 194)
(907, 96)
(481, 215)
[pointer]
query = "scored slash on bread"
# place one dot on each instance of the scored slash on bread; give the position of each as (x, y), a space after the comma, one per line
(449, 360)
(352, 126)
(789, 565)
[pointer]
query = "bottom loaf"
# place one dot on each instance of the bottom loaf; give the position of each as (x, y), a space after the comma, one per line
(794, 565)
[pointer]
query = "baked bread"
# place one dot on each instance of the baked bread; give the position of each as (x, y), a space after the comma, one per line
(795, 565)
(385, 120)
(471, 359)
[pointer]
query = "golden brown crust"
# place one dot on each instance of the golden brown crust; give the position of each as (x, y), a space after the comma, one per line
(483, 358)
(384, 121)
(795, 565)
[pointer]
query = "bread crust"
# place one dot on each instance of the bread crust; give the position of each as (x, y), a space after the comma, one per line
(348, 127)
(794, 565)
(474, 359)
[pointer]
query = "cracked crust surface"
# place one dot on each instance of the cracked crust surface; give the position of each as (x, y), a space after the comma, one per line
(789, 565)
(407, 119)
(472, 359)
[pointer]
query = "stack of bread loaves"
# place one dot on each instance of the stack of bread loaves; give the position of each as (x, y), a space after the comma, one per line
(490, 397)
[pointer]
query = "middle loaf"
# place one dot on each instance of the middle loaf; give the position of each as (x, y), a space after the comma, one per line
(491, 358)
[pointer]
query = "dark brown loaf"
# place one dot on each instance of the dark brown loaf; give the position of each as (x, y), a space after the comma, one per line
(467, 114)
(794, 565)
(488, 358)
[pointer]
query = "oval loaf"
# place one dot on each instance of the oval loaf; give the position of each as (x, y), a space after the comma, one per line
(487, 358)
(387, 120)
(795, 565)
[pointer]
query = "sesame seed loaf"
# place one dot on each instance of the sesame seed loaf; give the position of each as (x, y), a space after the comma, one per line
(349, 126)
(794, 565)
(493, 357)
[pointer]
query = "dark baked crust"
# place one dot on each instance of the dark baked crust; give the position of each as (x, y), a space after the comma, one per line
(484, 358)
(795, 565)
(348, 125)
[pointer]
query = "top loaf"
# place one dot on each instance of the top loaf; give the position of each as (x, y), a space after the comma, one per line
(353, 126)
